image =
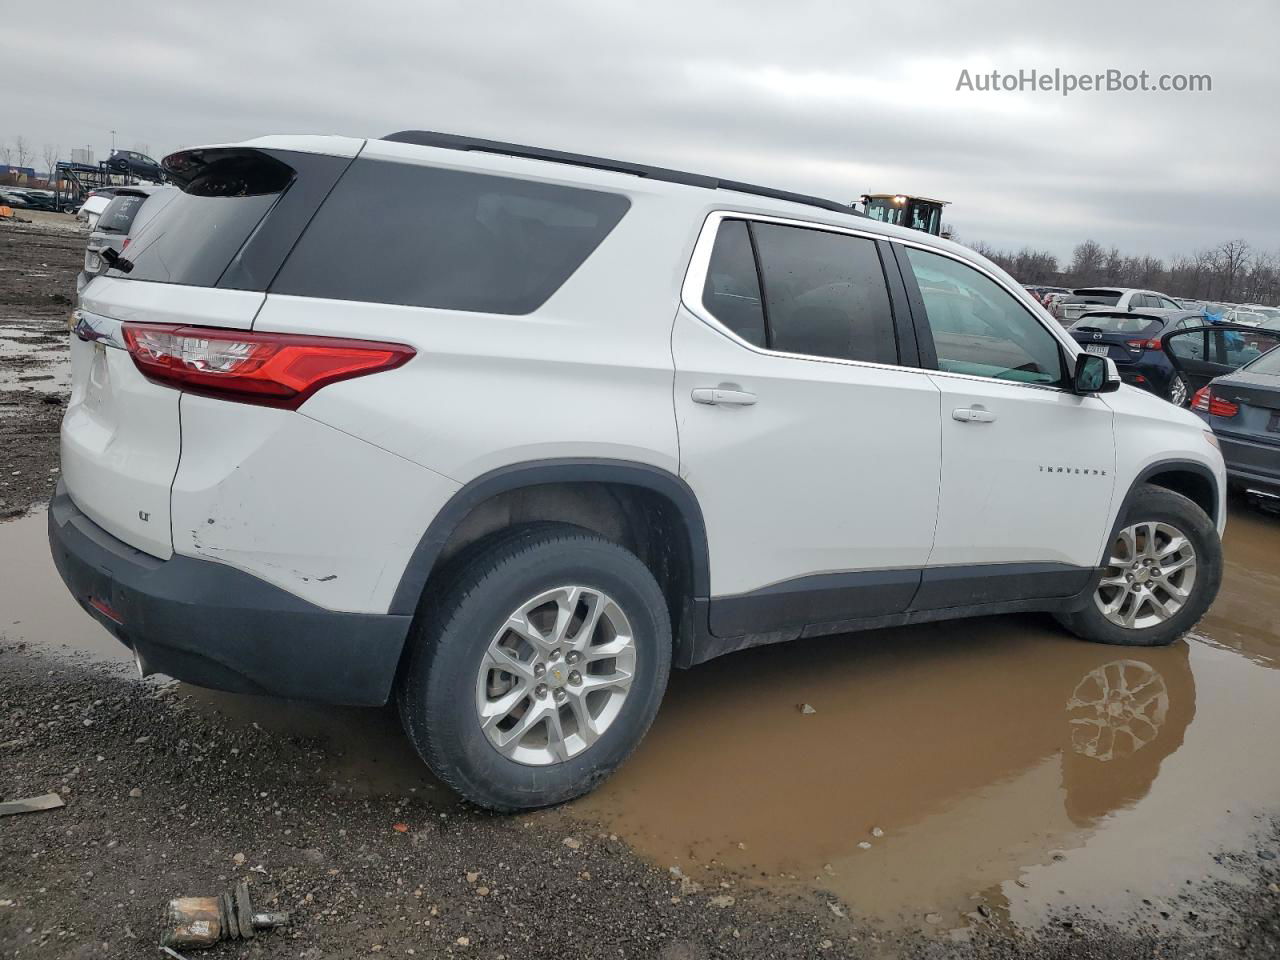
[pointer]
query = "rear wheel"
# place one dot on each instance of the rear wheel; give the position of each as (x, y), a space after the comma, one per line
(1162, 572)
(538, 668)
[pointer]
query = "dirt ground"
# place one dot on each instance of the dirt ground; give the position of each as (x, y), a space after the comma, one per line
(984, 789)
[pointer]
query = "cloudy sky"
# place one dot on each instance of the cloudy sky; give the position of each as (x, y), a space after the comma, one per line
(833, 97)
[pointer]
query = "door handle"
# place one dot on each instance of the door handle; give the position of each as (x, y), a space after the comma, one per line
(722, 397)
(972, 415)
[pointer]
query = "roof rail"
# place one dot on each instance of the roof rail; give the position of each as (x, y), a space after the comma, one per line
(450, 141)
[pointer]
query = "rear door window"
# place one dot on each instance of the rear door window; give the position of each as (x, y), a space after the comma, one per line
(455, 240)
(824, 294)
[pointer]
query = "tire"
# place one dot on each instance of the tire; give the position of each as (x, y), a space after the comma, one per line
(1178, 394)
(440, 688)
(1171, 511)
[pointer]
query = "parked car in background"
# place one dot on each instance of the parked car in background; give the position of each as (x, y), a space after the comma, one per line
(93, 206)
(134, 164)
(129, 210)
(1133, 341)
(1053, 303)
(1089, 299)
(96, 201)
(27, 198)
(1251, 314)
(1241, 401)
(1042, 292)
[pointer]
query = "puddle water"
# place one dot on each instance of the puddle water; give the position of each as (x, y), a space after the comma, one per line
(368, 753)
(992, 761)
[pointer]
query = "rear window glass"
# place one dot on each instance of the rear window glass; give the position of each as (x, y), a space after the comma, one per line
(1109, 297)
(1120, 323)
(224, 195)
(119, 214)
(427, 237)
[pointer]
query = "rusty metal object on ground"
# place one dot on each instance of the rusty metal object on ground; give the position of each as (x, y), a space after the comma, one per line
(196, 922)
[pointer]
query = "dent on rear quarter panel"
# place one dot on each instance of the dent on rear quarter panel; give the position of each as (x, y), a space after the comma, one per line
(313, 510)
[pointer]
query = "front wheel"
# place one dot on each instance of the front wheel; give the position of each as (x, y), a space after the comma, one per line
(1162, 572)
(1178, 394)
(537, 669)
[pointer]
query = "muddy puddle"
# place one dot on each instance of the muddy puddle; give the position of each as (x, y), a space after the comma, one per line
(995, 763)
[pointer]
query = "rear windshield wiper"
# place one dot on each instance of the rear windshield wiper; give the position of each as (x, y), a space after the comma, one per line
(115, 261)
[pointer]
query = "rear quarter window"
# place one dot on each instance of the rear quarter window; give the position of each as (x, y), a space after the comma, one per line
(427, 237)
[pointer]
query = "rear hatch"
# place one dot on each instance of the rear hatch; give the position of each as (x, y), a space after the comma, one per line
(205, 259)
(1124, 337)
(1086, 301)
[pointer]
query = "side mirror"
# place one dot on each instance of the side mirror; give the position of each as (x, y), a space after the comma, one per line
(1095, 374)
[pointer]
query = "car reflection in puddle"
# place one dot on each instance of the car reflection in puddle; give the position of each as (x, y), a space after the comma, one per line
(942, 765)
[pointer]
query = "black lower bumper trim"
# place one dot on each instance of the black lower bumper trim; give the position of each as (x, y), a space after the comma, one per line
(215, 626)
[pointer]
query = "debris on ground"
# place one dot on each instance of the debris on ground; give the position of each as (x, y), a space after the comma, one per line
(48, 801)
(805, 708)
(198, 922)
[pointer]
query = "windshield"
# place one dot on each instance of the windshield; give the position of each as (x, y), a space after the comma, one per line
(1120, 323)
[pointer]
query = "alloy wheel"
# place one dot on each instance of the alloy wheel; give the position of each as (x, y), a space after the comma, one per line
(1149, 575)
(555, 675)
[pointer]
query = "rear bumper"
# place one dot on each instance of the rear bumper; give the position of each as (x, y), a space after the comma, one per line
(1253, 466)
(215, 626)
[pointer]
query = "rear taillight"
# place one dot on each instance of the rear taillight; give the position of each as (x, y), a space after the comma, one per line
(1145, 344)
(1206, 402)
(272, 369)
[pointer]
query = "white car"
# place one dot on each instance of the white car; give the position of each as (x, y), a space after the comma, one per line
(1110, 299)
(94, 204)
(506, 433)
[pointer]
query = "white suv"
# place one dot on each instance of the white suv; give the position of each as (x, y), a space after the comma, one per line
(505, 433)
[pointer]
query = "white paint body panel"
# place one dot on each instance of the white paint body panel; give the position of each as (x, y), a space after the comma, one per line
(1150, 431)
(834, 468)
(838, 466)
(121, 436)
(317, 512)
(1034, 485)
(120, 444)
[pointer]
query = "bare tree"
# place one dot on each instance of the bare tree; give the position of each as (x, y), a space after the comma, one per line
(1086, 262)
(21, 151)
(6, 154)
(50, 154)
(1229, 261)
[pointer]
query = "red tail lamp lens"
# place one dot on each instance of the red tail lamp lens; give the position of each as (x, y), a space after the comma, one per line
(272, 369)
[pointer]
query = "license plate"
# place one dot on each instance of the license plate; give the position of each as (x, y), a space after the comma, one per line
(1274, 423)
(1097, 349)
